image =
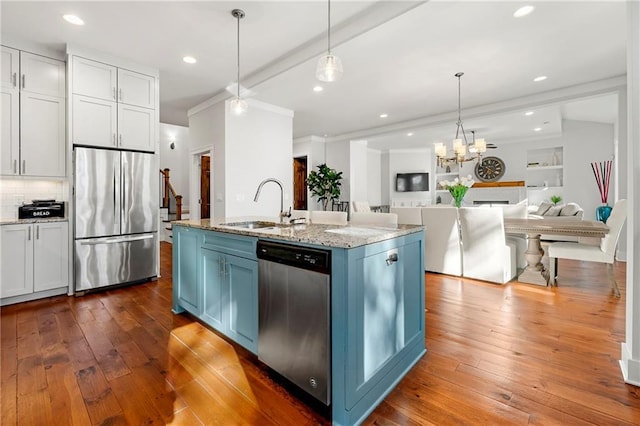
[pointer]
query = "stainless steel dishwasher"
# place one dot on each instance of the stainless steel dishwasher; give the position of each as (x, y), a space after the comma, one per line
(294, 319)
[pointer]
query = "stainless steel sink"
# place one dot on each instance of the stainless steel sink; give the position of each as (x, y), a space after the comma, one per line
(255, 224)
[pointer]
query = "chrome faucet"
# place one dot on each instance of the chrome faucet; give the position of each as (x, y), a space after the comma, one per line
(282, 213)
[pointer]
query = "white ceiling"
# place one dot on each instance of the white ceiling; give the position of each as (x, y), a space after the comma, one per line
(399, 58)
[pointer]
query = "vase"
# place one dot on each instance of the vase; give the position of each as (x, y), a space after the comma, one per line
(457, 193)
(603, 212)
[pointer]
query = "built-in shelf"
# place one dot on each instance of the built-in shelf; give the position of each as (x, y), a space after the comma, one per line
(447, 174)
(540, 168)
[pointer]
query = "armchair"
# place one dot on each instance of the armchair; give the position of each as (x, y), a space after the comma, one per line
(442, 252)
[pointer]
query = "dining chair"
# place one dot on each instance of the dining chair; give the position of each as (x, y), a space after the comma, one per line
(520, 241)
(360, 206)
(442, 251)
(378, 219)
(299, 214)
(603, 253)
(328, 217)
(486, 254)
(408, 215)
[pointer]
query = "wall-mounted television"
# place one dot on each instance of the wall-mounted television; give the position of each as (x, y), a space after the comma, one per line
(409, 182)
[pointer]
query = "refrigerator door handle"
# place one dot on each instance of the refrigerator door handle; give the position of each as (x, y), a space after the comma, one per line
(97, 241)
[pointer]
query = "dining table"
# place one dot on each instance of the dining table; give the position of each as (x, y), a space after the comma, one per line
(534, 227)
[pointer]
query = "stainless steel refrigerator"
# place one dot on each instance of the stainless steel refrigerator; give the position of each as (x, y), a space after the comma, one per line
(116, 217)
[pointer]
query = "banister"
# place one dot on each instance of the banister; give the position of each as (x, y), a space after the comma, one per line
(168, 191)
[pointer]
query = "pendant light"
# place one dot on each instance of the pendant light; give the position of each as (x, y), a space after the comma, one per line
(329, 66)
(238, 105)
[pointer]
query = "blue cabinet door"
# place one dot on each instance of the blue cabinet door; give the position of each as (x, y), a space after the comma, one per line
(186, 292)
(213, 289)
(242, 278)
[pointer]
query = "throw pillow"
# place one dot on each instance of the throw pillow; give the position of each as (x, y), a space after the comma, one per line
(553, 211)
(542, 209)
(570, 209)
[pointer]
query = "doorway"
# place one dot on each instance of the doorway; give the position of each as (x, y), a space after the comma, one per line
(205, 187)
(300, 183)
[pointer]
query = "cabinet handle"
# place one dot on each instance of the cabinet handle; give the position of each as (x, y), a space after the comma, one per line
(120, 96)
(24, 166)
(24, 80)
(15, 167)
(392, 258)
(114, 93)
(37, 232)
(15, 79)
(29, 234)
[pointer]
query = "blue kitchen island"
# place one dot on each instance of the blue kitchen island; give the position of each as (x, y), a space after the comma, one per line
(376, 310)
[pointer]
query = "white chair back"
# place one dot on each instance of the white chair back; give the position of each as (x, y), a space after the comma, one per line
(379, 219)
(299, 214)
(442, 252)
(513, 210)
(360, 206)
(328, 217)
(485, 254)
(408, 215)
(616, 220)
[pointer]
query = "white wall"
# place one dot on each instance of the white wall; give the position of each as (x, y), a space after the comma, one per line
(259, 145)
(338, 158)
(358, 171)
(177, 159)
(207, 132)
(408, 161)
(374, 177)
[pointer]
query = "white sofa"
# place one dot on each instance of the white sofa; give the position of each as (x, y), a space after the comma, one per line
(569, 211)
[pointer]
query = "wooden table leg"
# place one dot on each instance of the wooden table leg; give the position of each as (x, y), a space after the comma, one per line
(534, 273)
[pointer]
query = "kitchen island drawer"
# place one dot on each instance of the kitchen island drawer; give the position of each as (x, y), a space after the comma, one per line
(236, 245)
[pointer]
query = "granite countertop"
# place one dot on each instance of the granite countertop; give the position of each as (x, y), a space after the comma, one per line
(341, 236)
(38, 220)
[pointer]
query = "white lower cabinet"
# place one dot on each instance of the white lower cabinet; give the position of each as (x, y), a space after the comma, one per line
(34, 258)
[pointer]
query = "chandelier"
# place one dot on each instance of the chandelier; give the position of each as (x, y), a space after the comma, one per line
(238, 106)
(329, 66)
(460, 144)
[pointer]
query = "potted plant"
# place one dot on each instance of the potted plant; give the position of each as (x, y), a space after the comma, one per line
(325, 184)
(555, 199)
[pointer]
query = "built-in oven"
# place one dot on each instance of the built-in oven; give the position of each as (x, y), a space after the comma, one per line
(294, 328)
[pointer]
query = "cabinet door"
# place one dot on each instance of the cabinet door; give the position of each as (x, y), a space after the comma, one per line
(136, 89)
(42, 135)
(10, 67)
(16, 275)
(213, 289)
(95, 79)
(242, 316)
(10, 143)
(94, 122)
(136, 128)
(186, 245)
(39, 74)
(50, 257)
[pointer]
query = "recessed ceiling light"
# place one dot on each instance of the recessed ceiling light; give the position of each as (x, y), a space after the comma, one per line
(73, 19)
(540, 78)
(384, 115)
(528, 113)
(537, 129)
(523, 11)
(189, 59)
(318, 88)
(410, 134)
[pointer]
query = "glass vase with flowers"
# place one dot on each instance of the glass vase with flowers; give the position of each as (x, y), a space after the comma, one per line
(458, 188)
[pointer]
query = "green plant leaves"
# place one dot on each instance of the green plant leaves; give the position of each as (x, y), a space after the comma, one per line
(325, 184)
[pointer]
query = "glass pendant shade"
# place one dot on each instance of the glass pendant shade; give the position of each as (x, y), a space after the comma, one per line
(238, 106)
(329, 68)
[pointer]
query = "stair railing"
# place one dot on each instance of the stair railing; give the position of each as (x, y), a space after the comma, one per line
(169, 191)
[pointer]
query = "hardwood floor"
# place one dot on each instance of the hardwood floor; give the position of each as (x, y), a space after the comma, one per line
(513, 354)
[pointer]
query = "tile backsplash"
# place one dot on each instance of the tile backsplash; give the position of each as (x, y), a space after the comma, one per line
(14, 192)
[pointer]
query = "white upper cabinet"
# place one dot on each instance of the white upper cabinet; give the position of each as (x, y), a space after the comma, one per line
(10, 67)
(42, 151)
(33, 115)
(42, 75)
(136, 89)
(112, 107)
(95, 79)
(95, 122)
